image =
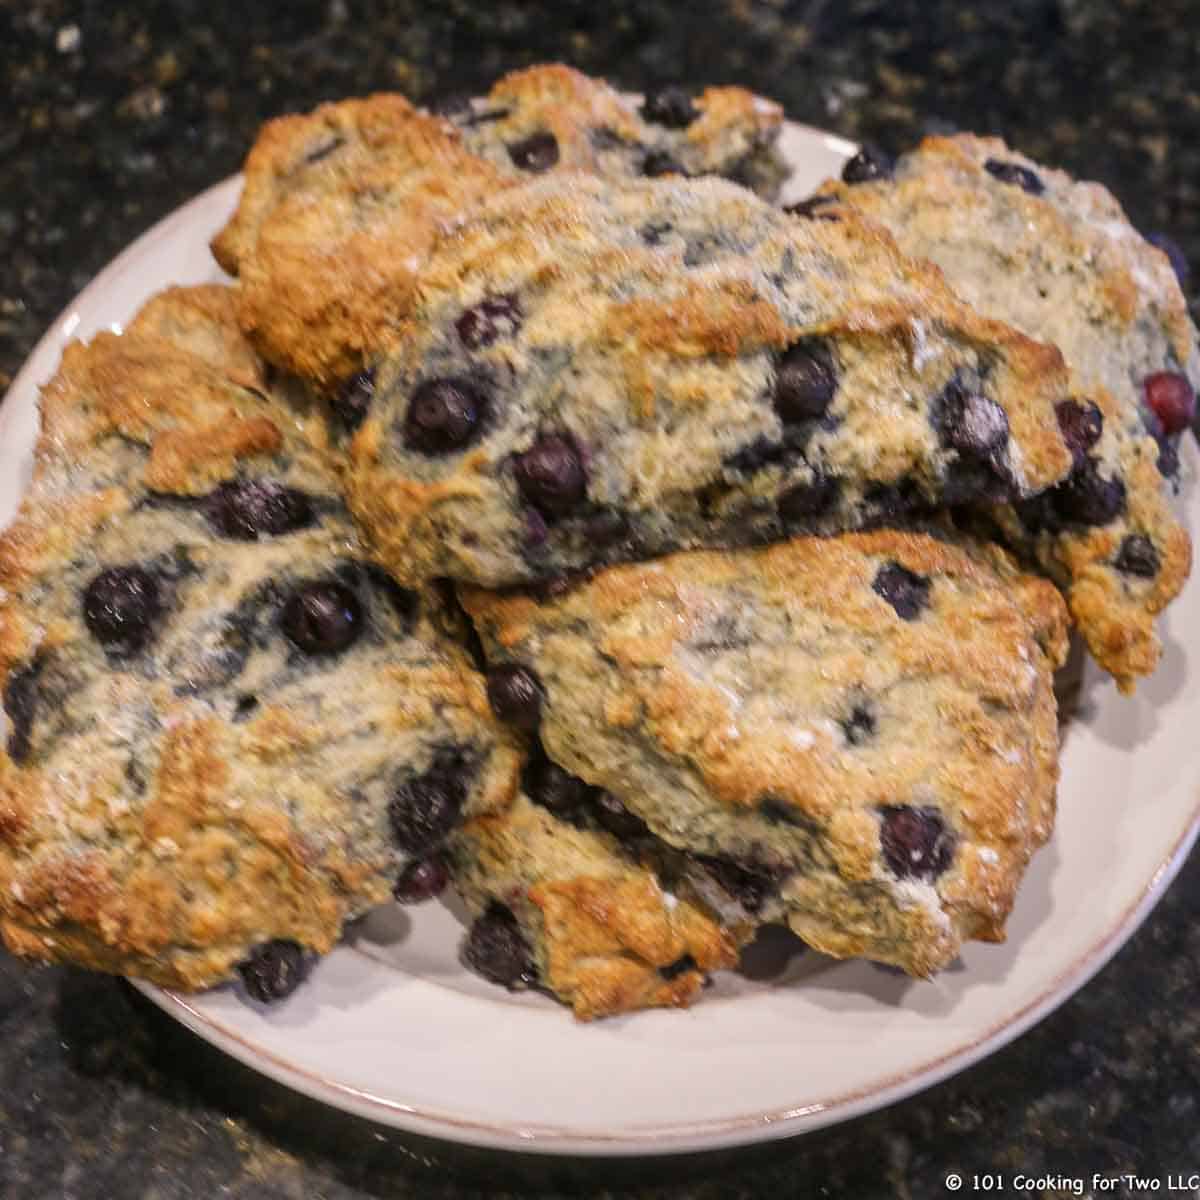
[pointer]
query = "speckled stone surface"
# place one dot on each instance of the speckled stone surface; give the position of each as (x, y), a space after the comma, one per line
(115, 113)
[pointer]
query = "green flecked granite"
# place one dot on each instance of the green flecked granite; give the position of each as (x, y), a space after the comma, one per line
(114, 114)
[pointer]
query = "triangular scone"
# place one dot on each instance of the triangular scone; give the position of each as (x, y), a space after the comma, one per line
(1058, 259)
(225, 728)
(564, 905)
(854, 734)
(603, 371)
(341, 204)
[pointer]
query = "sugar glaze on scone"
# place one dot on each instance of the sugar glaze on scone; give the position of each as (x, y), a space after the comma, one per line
(569, 908)
(225, 727)
(863, 726)
(1058, 259)
(603, 371)
(341, 205)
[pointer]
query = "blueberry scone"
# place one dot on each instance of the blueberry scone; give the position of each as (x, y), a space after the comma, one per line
(603, 371)
(226, 731)
(341, 205)
(858, 731)
(561, 903)
(1058, 259)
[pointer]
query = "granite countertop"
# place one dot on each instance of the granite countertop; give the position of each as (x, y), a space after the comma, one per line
(117, 113)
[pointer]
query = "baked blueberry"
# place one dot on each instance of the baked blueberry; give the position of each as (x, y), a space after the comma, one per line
(613, 816)
(678, 967)
(421, 880)
(516, 695)
(1087, 498)
(806, 501)
(120, 607)
(805, 382)
(555, 788)
(970, 422)
(755, 456)
(20, 706)
(859, 726)
(659, 162)
(892, 502)
(426, 807)
(551, 475)
(1137, 556)
(538, 152)
(1014, 173)
(1081, 426)
(274, 970)
(1168, 458)
(322, 617)
(492, 318)
(496, 949)
(1172, 400)
(869, 163)
(443, 415)
(670, 106)
(750, 884)
(906, 591)
(247, 509)
(915, 842)
(352, 401)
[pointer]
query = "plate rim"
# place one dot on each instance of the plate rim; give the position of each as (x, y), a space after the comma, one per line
(661, 1139)
(693, 1136)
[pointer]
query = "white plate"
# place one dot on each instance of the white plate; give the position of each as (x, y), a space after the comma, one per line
(391, 1027)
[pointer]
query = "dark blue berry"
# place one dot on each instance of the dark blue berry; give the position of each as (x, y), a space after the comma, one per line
(805, 382)
(426, 807)
(551, 475)
(421, 880)
(496, 949)
(659, 162)
(20, 706)
(869, 163)
(906, 591)
(1081, 426)
(1087, 498)
(352, 401)
(538, 152)
(1014, 173)
(807, 501)
(493, 317)
(915, 842)
(322, 617)
(120, 607)
(670, 106)
(443, 415)
(247, 509)
(274, 970)
(516, 695)
(1137, 556)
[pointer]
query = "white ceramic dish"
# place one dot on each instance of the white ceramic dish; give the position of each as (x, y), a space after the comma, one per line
(391, 1027)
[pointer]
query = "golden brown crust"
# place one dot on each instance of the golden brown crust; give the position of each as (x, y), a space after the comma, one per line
(327, 252)
(600, 926)
(341, 205)
(164, 811)
(1064, 264)
(652, 319)
(694, 687)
